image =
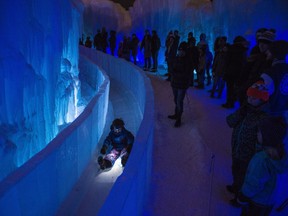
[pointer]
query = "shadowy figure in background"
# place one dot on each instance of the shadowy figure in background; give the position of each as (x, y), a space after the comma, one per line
(177, 37)
(193, 55)
(259, 191)
(244, 122)
(170, 53)
(88, 42)
(112, 42)
(201, 67)
(134, 45)
(117, 144)
(146, 45)
(208, 64)
(81, 40)
(180, 81)
(200, 72)
(97, 40)
(104, 40)
(126, 48)
(235, 62)
(219, 61)
(155, 47)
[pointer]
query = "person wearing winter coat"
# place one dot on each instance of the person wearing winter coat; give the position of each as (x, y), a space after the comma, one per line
(258, 61)
(244, 122)
(155, 47)
(146, 45)
(118, 143)
(134, 45)
(259, 191)
(219, 61)
(112, 42)
(170, 53)
(276, 79)
(180, 81)
(193, 55)
(235, 62)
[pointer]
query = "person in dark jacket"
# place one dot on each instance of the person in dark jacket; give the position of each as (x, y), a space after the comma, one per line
(258, 61)
(146, 45)
(117, 144)
(134, 46)
(276, 79)
(180, 81)
(219, 61)
(235, 62)
(112, 42)
(88, 42)
(97, 40)
(259, 191)
(170, 53)
(155, 47)
(193, 55)
(244, 122)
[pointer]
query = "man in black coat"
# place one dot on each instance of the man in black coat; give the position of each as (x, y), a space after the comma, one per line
(180, 81)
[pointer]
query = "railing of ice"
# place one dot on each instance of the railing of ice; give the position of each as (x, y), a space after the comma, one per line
(40, 185)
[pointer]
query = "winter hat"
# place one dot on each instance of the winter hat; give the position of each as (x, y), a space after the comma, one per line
(273, 130)
(118, 123)
(259, 32)
(267, 36)
(258, 90)
(279, 49)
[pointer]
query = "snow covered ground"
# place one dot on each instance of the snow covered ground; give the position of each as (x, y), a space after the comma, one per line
(191, 164)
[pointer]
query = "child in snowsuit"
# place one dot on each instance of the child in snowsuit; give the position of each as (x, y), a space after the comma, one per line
(259, 188)
(117, 144)
(244, 122)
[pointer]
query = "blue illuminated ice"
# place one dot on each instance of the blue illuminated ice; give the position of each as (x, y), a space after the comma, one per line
(39, 86)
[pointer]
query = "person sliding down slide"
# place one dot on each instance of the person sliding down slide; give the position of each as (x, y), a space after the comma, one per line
(118, 143)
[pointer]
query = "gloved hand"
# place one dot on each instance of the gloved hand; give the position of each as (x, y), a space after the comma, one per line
(103, 150)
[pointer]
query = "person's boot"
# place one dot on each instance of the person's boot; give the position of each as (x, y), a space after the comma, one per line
(172, 116)
(178, 121)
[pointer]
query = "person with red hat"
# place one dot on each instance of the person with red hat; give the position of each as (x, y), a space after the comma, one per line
(244, 122)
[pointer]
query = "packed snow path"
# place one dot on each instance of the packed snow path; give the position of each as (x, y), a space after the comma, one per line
(191, 164)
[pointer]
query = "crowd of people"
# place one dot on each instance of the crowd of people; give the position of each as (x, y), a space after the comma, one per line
(258, 81)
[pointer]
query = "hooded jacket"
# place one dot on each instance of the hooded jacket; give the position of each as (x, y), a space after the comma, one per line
(261, 178)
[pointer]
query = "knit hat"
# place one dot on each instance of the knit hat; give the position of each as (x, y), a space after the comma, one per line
(258, 90)
(273, 130)
(259, 32)
(279, 49)
(118, 123)
(267, 36)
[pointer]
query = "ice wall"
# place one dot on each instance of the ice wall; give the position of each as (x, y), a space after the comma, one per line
(217, 17)
(39, 69)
